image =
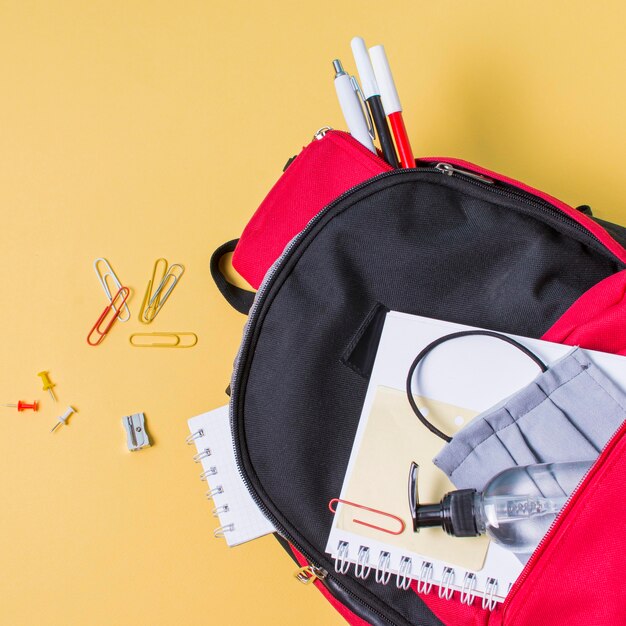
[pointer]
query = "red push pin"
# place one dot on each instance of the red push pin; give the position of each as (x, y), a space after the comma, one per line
(22, 406)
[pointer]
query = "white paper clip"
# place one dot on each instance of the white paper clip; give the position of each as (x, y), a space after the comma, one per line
(108, 273)
(136, 433)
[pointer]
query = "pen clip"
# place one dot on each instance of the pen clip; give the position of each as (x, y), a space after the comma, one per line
(368, 117)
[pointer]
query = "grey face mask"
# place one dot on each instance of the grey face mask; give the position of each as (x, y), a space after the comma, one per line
(568, 413)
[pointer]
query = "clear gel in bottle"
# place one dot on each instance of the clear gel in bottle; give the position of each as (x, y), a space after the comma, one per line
(515, 508)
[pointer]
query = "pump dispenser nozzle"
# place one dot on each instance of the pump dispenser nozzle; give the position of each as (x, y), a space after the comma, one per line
(455, 513)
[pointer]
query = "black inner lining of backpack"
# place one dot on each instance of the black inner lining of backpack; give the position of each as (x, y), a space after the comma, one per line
(423, 244)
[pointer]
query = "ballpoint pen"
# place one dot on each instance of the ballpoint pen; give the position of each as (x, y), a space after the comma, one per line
(351, 107)
(371, 94)
(391, 104)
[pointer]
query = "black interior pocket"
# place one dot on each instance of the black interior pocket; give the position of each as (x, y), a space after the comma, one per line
(361, 351)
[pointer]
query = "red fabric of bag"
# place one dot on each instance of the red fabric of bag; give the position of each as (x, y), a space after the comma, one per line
(576, 577)
(323, 171)
(596, 320)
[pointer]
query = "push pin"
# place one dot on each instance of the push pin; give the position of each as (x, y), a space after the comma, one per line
(22, 406)
(63, 418)
(47, 385)
(136, 433)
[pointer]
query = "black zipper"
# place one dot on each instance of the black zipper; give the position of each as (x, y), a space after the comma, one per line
(507, 190)
(536, 203)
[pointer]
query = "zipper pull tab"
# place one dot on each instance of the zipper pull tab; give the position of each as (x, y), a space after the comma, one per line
(448, 169)
(321, 133)
(310, 573)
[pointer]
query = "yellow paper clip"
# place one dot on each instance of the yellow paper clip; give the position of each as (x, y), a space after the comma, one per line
(153, 302)
(148, 295)
(172, 340)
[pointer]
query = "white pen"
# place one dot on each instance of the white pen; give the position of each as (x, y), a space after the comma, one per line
(391, 104)
(351, 107)
(371, 93)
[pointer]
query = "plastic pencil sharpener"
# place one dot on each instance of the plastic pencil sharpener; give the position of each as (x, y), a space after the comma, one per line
(136, 433)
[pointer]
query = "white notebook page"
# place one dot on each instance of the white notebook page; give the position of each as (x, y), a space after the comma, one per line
(238, 514)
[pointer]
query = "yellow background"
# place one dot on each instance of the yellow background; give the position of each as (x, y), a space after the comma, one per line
(135, 130)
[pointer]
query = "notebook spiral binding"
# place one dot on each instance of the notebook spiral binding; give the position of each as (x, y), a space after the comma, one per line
(221, 531)
(191, 438)
(468, 593)
(424, 580)
(362, 567)
(447, 580)
(210, 472)
(382, 571)
(205, 454)
(240, 518)
(218, 510)
(212, 492)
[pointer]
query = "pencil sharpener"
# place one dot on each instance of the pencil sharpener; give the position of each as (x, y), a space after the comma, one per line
(136, 433)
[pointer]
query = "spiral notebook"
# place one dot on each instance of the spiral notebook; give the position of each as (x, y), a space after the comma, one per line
(389, 437)
(378, 477)
(240, 518)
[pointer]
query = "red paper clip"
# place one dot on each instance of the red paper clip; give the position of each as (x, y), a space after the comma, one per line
(123, 293)
(367, 508)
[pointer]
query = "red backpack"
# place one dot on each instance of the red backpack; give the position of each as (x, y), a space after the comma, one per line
(341, 236)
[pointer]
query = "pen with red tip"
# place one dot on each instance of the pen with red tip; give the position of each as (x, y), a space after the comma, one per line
(391, 104)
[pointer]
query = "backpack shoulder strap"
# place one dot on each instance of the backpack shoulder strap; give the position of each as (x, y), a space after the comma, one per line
(240, 299)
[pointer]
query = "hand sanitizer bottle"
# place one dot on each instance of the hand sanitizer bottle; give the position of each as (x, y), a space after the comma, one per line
(515, 509)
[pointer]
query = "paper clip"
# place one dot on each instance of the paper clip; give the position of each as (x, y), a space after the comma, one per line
(148, 295)
(121, 295)
(102, 277)
(173, 340)
(158, 299)
(400, 521)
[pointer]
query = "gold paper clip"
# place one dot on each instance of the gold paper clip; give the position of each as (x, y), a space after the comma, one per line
(173, 340)
(155, 301)
(148, 295)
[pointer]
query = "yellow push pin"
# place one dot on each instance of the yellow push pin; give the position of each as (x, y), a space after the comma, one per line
(47, 385)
